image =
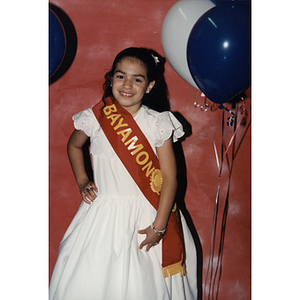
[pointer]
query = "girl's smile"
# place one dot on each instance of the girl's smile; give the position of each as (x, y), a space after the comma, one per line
(130, 83)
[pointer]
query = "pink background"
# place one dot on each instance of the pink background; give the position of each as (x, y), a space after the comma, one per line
(103, 29)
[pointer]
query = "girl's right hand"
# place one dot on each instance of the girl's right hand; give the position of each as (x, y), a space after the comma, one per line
(88, 191)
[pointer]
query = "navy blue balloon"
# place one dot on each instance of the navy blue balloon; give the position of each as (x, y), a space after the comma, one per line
(219, 52)
(243, 2)
(57, 43)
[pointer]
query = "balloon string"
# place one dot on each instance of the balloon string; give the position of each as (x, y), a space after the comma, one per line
(237, 127)
(213, 274)
(216, 280)
(210, 268)
(205, 105)
(218, 270)
(230, 119)
(195, 101)
(217, 157)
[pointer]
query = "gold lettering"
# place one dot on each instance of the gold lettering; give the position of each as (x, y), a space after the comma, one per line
(125, 133)
(113, 118)
(132, 146)
(137, 148)
(109, 109)
(132, 140)
(120, 124)
(148, 167)
(144, 160)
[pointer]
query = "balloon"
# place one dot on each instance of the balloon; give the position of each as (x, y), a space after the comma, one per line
(218, 52)
(242, 2)
(176, 28)
(62, 43)
(57, 42)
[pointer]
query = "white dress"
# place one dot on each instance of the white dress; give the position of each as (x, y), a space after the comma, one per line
(99, 256)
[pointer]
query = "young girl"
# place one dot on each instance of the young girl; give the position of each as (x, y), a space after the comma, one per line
(128, 240)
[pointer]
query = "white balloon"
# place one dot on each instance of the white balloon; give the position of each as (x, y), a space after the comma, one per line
(176, 29)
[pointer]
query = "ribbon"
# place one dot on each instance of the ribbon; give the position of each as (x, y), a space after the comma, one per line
(212, 275)
(205, 105)
(230, 123)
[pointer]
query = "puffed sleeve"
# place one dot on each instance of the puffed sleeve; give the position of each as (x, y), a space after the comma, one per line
(85, 121)
(166, 125)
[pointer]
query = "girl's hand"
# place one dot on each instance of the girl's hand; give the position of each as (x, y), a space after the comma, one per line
(151, 240)
(88, 191)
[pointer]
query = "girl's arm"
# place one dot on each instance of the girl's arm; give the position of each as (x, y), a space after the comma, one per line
(168, 168)
(74, 148)
(169, 174)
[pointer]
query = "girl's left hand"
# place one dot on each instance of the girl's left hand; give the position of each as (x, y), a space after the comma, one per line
(151, 240)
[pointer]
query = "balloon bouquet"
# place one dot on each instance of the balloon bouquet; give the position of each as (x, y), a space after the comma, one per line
(208, 43)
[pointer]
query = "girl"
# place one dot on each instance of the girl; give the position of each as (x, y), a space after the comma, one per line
(128, 240)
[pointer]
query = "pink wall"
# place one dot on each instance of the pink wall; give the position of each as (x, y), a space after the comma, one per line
(103, 29)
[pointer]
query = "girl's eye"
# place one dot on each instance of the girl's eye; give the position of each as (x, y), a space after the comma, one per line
(138, 80)
(120, 76)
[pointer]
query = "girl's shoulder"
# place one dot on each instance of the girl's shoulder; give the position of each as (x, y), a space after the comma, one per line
(85, 121)
(152, 117)
(153, 114)
(149, 112)
(164, 124)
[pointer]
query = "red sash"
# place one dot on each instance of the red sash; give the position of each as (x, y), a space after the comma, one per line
(135, 152)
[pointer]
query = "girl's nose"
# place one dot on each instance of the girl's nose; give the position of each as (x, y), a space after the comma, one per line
(127, 83)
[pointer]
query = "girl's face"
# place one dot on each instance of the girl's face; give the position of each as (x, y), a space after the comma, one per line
(130, 83)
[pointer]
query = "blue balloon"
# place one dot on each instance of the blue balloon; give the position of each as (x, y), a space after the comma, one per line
(57, 43)
(219, 52)
(243, 2)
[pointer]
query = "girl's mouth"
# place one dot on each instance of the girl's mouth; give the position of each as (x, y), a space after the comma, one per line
(126, 94)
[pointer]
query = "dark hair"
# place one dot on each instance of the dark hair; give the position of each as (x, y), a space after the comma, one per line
(158, 98)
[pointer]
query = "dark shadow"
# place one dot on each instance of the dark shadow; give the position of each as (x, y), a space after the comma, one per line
(180, 196)
(71, 43)
(87, 159)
